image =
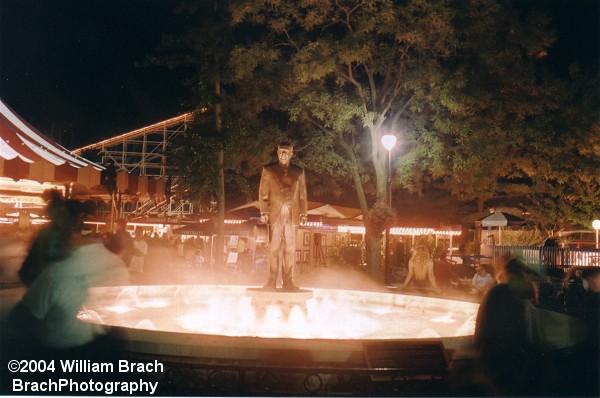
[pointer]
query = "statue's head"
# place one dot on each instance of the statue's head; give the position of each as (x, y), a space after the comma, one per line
(284, 153)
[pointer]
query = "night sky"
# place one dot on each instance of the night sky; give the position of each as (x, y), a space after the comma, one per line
(69, 66)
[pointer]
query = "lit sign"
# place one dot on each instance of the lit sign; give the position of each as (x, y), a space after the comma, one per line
(400, 231)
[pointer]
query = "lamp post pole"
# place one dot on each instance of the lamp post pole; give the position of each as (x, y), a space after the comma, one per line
(388, 141)
(596, 226)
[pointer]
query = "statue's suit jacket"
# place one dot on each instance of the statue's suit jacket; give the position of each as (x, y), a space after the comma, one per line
(276, 189)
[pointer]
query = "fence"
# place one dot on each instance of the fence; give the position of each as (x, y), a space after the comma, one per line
(539, 257)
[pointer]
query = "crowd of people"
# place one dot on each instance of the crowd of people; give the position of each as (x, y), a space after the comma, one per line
(512, 355)
(65, 259)
(146, 253)
(510, 337)
(439, 276)
(567, 291)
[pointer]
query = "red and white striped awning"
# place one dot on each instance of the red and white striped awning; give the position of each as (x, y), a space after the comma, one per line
(19, 139)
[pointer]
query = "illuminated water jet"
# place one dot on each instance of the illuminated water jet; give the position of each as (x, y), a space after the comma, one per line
(220, 338)
(260, 335)
(228, 311)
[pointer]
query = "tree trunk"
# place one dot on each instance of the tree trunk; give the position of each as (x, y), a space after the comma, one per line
(372, 240)
(373, 255)
(220, 240)
(478, 231)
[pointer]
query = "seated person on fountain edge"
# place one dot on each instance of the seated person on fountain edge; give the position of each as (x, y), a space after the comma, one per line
(482, 280)
(46, 316)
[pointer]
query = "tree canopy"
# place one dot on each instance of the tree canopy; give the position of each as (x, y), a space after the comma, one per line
(464, 84)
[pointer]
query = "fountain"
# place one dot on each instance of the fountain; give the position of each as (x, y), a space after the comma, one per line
(224, 328)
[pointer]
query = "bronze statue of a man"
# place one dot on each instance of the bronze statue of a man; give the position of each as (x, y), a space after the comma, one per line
(283, 205)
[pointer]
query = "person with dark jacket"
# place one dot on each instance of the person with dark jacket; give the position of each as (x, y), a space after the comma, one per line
(504, 335)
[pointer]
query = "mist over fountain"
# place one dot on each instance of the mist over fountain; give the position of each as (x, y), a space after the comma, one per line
(224, 336)
(228, 310)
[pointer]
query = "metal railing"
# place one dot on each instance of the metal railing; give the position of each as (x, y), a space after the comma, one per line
(539, 257)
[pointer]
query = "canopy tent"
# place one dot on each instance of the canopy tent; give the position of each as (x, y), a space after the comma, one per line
(328, 216)
(500, 220)
(31, 163)
(208, 228)
(334, 211)
(314, 208)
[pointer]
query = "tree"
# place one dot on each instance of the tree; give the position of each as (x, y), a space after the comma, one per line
(566, 166)
(464, 83)
(475, 141)
(353, 70)
(202, 48)
(207, 158)
(522, 135)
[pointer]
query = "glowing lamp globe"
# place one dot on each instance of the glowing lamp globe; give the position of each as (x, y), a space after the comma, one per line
(388, 141)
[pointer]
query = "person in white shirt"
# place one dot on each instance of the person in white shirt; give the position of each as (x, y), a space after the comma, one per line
(199, 260)
(138, 257)
(47, 313)
(482, 280)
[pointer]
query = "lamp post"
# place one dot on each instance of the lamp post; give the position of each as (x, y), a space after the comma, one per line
(388, 141)
(596, 226)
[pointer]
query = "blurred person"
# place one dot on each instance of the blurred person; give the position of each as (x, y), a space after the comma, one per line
(504, 335)
(121, 242)
(46, 316)
(420, 270)
(551, 253)
(586, 365)
(482, 280)
(593, 281)
(592, 315)
(551, 289)
(189, 251)
(13, 250)
(138, 256)
(260, 260)
(578, 276)
(180, 246)
(199, 260)
(283, 205)
(575, 292)
(52, 242)
(442, 270)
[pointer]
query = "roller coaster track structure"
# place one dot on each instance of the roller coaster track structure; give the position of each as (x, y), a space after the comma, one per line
(143, 151)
